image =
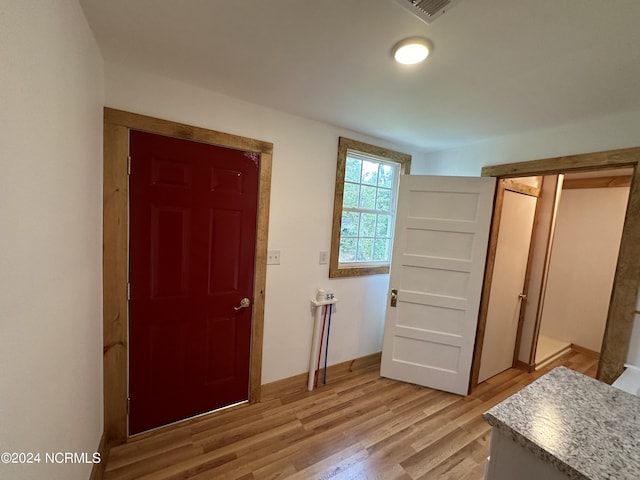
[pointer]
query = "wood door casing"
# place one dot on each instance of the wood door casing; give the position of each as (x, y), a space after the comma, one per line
(117, 124)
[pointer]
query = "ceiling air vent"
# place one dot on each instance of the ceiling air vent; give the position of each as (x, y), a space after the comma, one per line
(427, 10)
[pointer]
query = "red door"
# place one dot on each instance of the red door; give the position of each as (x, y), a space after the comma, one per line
(193, 210)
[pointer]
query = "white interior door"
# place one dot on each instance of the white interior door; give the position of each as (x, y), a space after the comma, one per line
(439, 252)
(510, 267)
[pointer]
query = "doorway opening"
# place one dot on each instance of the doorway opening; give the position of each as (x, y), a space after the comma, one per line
(516, 211)
(117, 126)
(557, 244)
(624, 290)
(590, 211)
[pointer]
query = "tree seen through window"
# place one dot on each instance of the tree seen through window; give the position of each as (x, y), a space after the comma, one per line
(367, 209)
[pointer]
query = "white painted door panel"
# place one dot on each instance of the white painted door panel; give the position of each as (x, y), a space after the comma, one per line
(442, 229)
(509, 270)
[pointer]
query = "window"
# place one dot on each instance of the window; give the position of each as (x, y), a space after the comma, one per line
(364, 208)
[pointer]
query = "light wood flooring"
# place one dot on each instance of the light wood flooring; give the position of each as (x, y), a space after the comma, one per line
(359, 427)
(549, 347)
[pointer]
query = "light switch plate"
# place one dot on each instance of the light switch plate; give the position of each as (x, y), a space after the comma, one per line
(324, 257)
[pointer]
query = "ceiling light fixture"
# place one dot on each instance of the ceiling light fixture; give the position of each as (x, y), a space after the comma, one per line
(411, 50)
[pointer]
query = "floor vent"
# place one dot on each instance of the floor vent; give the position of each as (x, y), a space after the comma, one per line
(427, 10)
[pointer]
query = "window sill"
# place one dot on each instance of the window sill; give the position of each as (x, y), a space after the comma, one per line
(337, 272)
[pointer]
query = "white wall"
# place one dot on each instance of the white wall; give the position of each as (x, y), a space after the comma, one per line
(302, 190)
(51, 98)
(606, 133)
(611, 132)
(583, 263)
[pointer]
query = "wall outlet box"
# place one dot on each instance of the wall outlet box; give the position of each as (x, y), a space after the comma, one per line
(273, 257)
(324, 257)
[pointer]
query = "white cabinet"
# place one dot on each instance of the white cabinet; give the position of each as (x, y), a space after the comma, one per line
(509, 461)
(565, 425)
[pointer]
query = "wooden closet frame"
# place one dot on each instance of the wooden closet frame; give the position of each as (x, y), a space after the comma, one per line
(626, 284)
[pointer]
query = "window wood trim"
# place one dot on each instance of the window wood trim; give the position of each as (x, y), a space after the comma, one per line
(344, 145)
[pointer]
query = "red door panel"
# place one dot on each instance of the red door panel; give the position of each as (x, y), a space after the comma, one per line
(193, 211)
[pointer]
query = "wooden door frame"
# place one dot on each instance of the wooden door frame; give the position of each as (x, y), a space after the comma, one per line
(624, 294)
(117, 124)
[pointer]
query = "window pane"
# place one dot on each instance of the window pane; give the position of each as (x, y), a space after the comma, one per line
(381, 250)
(351, 194)
(385, 177)
(352, 170)
(365, 250)
(368, 197)
(367, 177)
(368, 225)
(383, 202)
(348, 249)
(383, 227)
(349, 226)
(370, 173)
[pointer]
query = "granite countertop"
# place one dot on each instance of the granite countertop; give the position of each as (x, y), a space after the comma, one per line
(585, 428)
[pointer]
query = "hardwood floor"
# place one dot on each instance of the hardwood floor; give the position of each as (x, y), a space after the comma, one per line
(359, 427)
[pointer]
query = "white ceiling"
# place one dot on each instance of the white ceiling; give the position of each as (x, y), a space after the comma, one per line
(498, 66)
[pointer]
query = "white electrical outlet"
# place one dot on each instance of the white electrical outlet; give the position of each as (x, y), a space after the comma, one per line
(324, 257)
(273, 257)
